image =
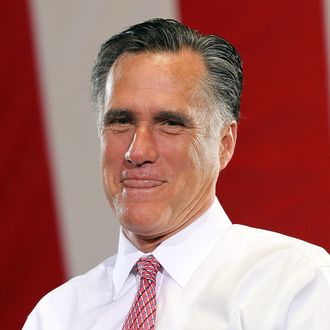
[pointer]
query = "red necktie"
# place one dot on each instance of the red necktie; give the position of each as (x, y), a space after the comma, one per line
(142, 314)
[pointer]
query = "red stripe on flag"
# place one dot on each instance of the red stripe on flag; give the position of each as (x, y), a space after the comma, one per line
(30, 252)
(279, 177)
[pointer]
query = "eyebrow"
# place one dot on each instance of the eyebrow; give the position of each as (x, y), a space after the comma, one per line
(162, 116)
(178, 117)
(115, 114)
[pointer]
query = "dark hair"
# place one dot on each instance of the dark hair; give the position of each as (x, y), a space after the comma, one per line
(223, 83)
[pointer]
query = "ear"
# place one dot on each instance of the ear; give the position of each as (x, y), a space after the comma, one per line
(227, 143)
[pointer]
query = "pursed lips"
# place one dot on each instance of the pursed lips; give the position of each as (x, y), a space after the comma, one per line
(140, 180)
(141, 183)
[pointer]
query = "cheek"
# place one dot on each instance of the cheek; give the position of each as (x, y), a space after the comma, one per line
(112, 161)
(114, 148)
(111, 157)
(184, 161)
(197, 153)
(204, 156)
(174, 150)
(187, 153)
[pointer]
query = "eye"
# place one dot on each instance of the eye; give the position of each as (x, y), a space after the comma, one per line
(173, 123)
(118, 120)
(171, 126)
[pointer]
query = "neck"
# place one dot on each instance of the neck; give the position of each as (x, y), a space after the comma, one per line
(149, 243)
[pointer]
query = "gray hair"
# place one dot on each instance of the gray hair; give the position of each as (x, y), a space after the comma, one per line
(223, 83)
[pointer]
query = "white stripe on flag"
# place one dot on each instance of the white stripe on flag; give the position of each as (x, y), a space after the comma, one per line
(68, 34)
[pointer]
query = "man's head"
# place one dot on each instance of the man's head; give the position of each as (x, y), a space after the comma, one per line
(168, 102)
(222, 84)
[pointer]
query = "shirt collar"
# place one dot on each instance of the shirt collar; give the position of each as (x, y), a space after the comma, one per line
(181, 254)
(127, 256)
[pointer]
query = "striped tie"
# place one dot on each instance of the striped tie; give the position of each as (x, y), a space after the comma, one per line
(142, 314)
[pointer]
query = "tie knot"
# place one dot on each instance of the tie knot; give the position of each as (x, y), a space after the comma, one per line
(148, 267)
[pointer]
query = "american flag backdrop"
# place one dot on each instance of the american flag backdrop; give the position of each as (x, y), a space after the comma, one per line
(55, 221)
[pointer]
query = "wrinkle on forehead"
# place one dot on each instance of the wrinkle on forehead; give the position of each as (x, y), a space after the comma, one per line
(181, 70)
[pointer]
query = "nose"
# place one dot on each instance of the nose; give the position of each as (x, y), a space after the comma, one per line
(142, 149)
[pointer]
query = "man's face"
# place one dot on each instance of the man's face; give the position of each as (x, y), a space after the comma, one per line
(159, 168)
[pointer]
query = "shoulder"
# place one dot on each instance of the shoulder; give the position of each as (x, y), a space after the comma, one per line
(266, 242)
(81, 293)
(281, 271)
(252, 251)
(98, 278)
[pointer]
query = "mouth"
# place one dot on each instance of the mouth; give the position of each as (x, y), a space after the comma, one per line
(141, 183)
(142, 188)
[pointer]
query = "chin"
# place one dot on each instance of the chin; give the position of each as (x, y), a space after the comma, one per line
(145, 219)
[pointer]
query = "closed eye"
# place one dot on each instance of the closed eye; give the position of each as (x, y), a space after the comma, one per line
(173, 123)
(118, 119)
(173, 120)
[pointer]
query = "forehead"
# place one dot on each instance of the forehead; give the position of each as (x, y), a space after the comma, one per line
(155, 75)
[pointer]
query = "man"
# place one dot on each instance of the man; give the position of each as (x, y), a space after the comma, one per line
(168, 101)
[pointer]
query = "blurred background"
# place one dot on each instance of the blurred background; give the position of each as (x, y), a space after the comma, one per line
(55, 221)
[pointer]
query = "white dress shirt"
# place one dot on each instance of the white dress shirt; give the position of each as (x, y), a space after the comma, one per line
(214, 275)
